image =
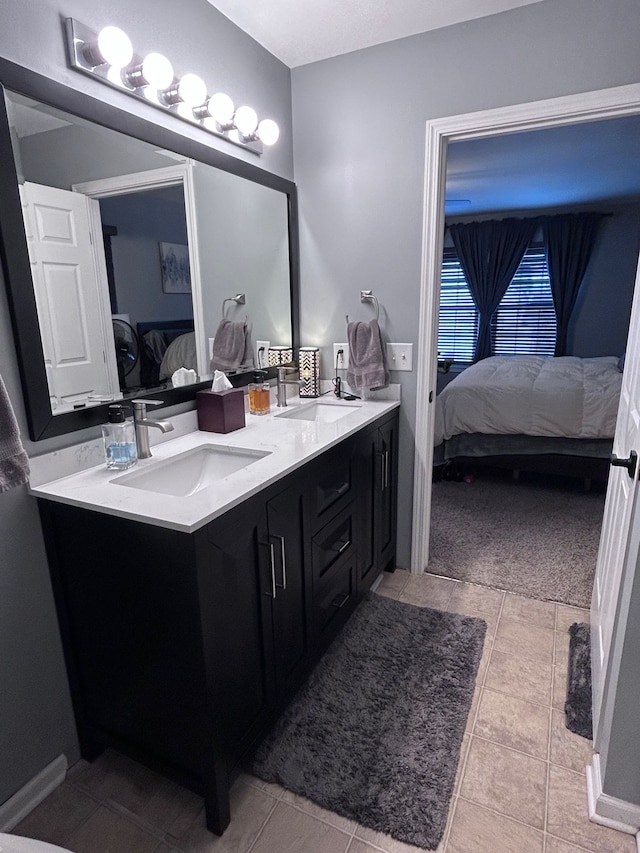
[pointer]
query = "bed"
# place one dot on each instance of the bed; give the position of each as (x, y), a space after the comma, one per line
(554, 415)
(155, 337)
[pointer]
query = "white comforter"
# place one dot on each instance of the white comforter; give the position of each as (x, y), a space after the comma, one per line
(532, 395)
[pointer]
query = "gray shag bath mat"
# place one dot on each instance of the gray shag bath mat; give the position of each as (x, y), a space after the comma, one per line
(578, 706)
(375, 733)
(532, 539)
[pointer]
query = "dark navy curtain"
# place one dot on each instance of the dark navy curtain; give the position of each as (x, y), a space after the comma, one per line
(568, 242)
(490, 253)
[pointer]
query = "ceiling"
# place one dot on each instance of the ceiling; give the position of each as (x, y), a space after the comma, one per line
(554, 167)
(303, 31)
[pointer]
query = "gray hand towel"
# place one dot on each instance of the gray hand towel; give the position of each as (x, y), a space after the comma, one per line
(231, 347)
(14, 463)
(367, 368)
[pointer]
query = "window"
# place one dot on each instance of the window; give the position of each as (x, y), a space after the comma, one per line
(458, 323)
(524, 324)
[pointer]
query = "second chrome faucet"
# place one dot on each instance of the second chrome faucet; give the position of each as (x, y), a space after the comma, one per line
(281, 385)
(142, 424)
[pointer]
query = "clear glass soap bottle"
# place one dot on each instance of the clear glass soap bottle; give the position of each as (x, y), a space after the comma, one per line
(119, 436)
(259, 394)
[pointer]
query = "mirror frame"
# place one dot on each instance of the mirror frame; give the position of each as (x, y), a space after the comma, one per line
(15, 258)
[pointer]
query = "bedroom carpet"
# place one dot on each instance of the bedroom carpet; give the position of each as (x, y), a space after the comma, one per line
(375, 733)
(578, 706)
(533, 539)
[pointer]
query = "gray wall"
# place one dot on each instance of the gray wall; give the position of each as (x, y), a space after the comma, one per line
(36, 722)
(229, 209)
(601, 317)
(359, 154)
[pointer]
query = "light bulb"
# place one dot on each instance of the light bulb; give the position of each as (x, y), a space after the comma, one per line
(186, 112)
(192, 90)
(157, 71)
(220, 108)
(246, 120)
(153, 96)
(268, 131)
(114, 75)
(115, 47)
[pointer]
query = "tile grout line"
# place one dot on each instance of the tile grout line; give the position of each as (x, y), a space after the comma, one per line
(500, 814)
(264, 823)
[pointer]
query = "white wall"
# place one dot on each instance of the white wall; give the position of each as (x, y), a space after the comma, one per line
(359, 123)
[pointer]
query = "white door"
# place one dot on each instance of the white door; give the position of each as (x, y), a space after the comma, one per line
(70, 283)
(619, 549)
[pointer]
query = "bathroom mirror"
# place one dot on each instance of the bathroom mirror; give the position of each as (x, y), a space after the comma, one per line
(184, 229)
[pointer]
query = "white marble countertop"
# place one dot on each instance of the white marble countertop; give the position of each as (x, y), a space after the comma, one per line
(289, 443)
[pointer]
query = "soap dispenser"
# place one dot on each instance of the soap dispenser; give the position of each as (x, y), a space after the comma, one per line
(259, 394)
(119, 439)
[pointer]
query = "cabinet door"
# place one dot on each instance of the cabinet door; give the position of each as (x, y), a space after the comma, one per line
(368, 472)
(236, 627)
(288, 589)
(386, 493)
(377, 478)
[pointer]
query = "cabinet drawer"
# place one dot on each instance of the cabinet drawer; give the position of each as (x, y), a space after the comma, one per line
(332, 484)
(334, 601)
(332, 543)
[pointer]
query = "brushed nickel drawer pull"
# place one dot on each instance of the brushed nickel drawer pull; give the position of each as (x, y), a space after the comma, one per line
(283, 560)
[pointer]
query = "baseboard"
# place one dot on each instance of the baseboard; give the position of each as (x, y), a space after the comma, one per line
(32, 794)
(607, 810)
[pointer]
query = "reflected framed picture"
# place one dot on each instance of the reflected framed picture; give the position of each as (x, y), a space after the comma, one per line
(174, 265)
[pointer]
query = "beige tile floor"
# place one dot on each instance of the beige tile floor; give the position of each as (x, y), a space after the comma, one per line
(521, 778)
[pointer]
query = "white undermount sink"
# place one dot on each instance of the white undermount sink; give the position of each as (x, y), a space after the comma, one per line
(325, 413)
(191, 471)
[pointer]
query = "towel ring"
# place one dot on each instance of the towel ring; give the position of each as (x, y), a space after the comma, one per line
(239, 299)
(368, 296)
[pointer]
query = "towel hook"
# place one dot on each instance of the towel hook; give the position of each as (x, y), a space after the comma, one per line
(368, 296)
(239, 299)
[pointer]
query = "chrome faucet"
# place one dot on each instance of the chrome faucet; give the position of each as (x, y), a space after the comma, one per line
(142, 423)
(281, 385)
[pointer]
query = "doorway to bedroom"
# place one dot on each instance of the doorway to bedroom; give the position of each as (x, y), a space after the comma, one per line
(518, 526)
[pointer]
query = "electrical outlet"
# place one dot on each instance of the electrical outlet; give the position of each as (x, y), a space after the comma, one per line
(262, 358)
(400, 356)
(341, 360)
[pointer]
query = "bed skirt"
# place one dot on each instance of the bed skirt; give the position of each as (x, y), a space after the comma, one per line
(578, 457)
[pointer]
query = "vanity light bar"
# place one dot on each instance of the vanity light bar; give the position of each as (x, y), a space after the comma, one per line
(108, 56)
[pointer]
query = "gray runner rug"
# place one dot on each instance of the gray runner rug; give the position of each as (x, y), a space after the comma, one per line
(578, 707)
(375, 733)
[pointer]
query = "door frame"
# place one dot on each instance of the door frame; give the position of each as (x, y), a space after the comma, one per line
(168, 176)
(616, 102)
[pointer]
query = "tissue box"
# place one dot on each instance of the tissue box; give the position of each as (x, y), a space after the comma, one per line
(220, 411)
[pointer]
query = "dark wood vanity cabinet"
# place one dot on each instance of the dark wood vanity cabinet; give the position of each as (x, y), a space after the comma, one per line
(183, 649)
